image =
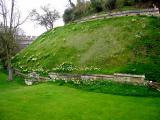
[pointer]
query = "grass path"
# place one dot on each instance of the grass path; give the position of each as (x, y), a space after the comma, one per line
(52, 102)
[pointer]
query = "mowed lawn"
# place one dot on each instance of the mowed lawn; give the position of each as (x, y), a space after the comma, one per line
(52, 102)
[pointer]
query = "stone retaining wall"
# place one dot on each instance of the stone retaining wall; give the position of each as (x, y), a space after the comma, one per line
(135, 79)
(117, 77)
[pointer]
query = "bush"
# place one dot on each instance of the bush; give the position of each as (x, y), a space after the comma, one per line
(80, 10)
(97, 5)
(68, 15)
(128, 2)
(110, 4)
(119, 4)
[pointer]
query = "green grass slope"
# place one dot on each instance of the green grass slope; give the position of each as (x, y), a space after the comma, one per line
(128, 44)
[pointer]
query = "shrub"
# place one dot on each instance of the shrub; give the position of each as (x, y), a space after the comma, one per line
(128, 2)
(68, 15)
(110, 4)
(97, 5)
(80, 10)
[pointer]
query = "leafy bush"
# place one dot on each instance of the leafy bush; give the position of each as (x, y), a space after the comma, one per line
(128, 2)
(97, 5)
(110, 4)
(80, 10)
(68, 15)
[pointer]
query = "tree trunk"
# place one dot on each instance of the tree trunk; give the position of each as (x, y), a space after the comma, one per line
(71, 4)
(159, 9)
(158, 6)
(10, 72)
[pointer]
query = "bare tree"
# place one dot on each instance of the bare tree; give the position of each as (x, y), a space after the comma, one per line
(72, 4)
(9, 25)
(157, 3)
(47, 18)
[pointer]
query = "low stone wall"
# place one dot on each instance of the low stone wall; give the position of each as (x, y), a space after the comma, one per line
(129, 78)
(34, 77)
(117, 77)
(135, 79)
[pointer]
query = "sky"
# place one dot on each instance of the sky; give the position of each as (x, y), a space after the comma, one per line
(25, 6)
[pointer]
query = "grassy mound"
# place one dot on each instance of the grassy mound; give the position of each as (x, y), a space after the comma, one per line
(125, 44)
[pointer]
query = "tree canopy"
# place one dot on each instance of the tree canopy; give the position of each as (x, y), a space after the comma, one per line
(47, 18)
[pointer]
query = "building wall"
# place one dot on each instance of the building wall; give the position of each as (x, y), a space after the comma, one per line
(24, 41)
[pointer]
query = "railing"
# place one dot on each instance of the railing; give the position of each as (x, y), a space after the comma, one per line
(123, 13)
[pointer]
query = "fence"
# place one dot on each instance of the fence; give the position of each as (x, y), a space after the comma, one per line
(154, 12)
